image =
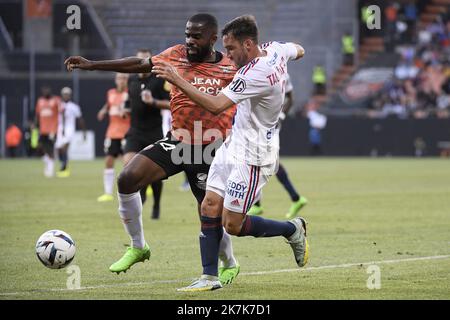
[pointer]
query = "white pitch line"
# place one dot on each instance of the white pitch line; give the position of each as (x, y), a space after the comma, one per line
(346, 265)
(131, 284)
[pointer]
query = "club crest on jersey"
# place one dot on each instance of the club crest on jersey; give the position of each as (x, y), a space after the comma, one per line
(201, 180)
(238, 85)
(273, 60)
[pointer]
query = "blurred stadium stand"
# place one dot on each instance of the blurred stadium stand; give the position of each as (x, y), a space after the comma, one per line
(114, 28)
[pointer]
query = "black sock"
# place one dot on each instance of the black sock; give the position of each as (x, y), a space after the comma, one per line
(63, 159)
(284, 180)
(259, 227)
(143, 193)
(210, 236)
(157, 190)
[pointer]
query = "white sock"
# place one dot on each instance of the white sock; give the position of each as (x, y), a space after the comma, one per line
(108, 180)
(49, 167)
(130, 210)
(226, 251)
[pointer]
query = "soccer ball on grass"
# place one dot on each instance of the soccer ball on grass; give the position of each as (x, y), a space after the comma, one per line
(55, 249)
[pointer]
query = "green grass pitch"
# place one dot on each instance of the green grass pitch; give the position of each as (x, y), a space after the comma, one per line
(392, 212)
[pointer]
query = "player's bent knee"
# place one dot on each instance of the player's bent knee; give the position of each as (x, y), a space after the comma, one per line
(232, 228)
(209, 207)
(128, 181)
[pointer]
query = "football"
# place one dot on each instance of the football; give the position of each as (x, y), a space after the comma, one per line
(55, 249)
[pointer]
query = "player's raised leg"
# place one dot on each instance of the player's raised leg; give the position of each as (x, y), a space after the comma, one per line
(294, 231)
(139, 172)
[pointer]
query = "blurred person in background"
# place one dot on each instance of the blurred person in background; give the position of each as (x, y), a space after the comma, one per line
(31, 139)
(68, 116)
(317, 122)
(348, 49)
(13, 138)
(46, 119)
(119, 124)
(319, 80)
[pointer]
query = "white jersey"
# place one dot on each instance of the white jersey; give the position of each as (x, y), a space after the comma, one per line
(166, 121)
(289, 86)
(259, 89)
(67, 117)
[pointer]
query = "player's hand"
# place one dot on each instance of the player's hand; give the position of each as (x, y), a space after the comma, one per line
(123, 112)
(77, 62)
(101, 115)
(166, 71)
(146, 96)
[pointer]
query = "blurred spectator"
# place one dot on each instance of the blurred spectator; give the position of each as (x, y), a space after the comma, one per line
(319, 80)
(406, 70)
(421, 84)
(348, 49)
(390, 14)
(419, 147)
(317, 122)
(13, 138)
(31, 139)
(410, 12)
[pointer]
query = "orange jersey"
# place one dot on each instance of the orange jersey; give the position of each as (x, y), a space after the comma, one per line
(207, 77)
(118, 125)
(47, 111)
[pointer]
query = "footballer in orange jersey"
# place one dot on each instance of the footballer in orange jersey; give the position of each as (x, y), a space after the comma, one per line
(119, 123)
(47, 108)
(189, 147)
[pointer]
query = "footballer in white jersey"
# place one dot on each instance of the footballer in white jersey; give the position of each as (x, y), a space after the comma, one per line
(298, 201)
(67, 119)
(259, 89)
(69, 114)
(249, 155)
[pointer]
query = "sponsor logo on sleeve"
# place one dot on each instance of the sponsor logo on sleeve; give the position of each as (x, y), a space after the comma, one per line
(238, 85)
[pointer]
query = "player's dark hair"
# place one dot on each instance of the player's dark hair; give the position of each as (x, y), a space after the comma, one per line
(206, 20)
(242, 28)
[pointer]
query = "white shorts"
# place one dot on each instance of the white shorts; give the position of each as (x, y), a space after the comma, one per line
(62, 139)
(238, 183)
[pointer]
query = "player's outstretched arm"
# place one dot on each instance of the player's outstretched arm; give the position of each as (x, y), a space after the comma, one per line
(214, 104)
(124, 65)
(102, 112)
(300, 51)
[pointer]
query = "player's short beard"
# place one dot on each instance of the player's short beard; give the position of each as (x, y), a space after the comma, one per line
(242, 60)
(203, 52)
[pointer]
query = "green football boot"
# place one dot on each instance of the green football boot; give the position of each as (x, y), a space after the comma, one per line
(255, 210)
(295, 207)
(105, 198)
(63, 174)
(227, 275)
(132, 256)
